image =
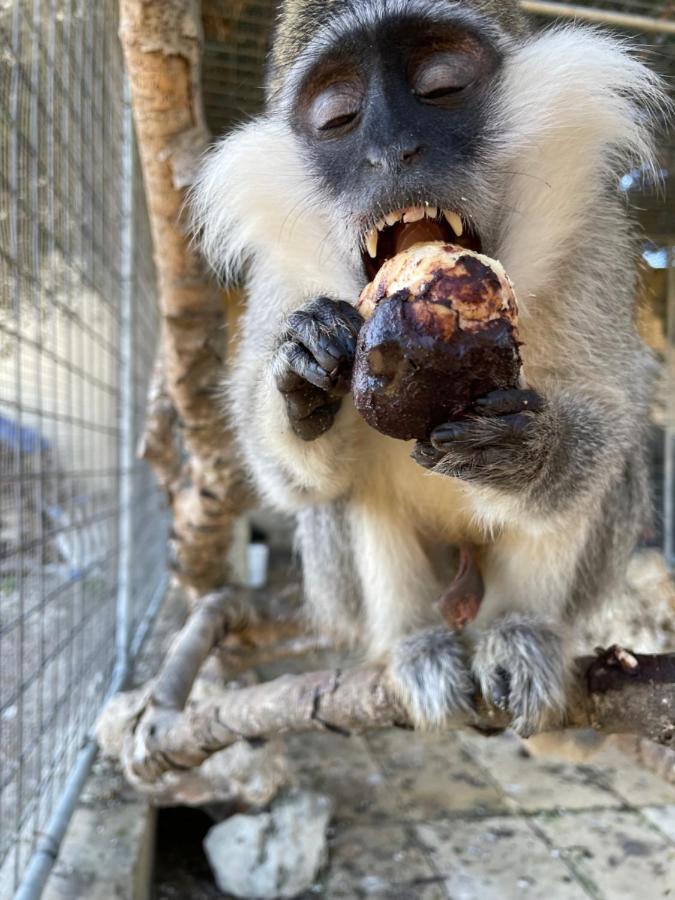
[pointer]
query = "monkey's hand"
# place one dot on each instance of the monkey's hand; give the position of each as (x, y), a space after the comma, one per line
(498, 443)
(313, 364)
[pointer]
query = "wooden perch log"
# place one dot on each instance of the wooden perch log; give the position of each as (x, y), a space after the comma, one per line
(616, 692)
(162, 46)
(164, 732)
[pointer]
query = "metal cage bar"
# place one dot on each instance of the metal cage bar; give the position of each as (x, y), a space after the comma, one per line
(617, 18)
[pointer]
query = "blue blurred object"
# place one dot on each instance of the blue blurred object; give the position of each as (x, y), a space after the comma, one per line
(21, 438)
(656, 257)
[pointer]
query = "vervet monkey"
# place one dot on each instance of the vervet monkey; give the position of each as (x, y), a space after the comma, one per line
(458, 120)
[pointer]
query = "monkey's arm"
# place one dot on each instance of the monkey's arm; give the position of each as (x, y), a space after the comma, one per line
(287, 385)
(543, 450)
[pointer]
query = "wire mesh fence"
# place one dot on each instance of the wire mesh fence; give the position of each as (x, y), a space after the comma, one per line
(80, 520)
(82, 525)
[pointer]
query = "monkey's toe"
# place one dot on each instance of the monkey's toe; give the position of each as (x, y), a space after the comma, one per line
(430, 673)
(520, 667)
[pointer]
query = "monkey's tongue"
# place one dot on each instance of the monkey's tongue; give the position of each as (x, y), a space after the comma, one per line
(406, 235)
(401, 236)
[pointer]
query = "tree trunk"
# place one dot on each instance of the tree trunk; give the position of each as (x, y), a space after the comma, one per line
(162, 46)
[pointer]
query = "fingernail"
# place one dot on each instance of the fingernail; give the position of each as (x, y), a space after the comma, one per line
(334, 349)
(445, 433)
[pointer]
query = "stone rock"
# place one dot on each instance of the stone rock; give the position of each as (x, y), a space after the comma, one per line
(271, 854)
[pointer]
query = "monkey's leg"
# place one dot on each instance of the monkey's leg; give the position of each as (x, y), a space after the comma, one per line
(331, 586)
(427, 661)
(521, 659)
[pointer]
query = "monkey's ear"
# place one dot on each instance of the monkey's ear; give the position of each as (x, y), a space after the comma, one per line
(243, 197)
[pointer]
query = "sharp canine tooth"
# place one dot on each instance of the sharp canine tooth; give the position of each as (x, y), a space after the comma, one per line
(414, 214)
(371, 243)
(454, 221)
(392, 218)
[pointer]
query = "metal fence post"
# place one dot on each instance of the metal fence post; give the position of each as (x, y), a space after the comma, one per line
(669, 477)
(126, 410)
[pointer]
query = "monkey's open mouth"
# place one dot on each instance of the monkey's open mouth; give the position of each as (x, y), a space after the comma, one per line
(403, 228)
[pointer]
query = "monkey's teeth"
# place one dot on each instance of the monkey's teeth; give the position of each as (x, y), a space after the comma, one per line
(393, 217)
(454, 221)
(431, 212)
(381, 224)
(414, 214)
(371, 243)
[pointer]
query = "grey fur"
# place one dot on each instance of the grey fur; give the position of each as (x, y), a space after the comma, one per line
(333, 586)
(558, 508)
(520, 665)
(300, 21)
(430, 672)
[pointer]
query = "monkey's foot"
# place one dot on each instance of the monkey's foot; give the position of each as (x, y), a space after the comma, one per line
(430, 673)
(520, 666)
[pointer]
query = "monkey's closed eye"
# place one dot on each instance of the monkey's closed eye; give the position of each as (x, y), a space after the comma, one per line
(439, 93)
(336, 106)
(443, 75)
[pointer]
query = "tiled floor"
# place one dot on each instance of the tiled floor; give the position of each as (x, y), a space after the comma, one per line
(465, 817)
(461, 816)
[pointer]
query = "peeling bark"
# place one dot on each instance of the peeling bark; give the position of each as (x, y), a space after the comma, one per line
(162, 47)
(361, 699)
(159, 443)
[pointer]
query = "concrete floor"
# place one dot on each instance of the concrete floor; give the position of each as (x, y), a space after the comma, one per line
(456, 816)
(462, 816)
(442, 817)
(465, 817)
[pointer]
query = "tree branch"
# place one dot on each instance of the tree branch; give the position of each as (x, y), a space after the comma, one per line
(616, 692)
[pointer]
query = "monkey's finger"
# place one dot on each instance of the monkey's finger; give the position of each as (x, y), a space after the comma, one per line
(294, 358)
(304, 401)
(453, 435)
(514, 400)
(517, 425)
(477, 434)
(500, 688)
(340, 317)
(495, 686)
(288, 381)
(426, 455)
(325, 346)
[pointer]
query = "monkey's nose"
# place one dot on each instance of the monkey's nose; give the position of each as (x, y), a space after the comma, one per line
(394, 157)
(409, 155)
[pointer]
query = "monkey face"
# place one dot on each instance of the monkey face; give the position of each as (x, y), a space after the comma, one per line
(394, 118)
